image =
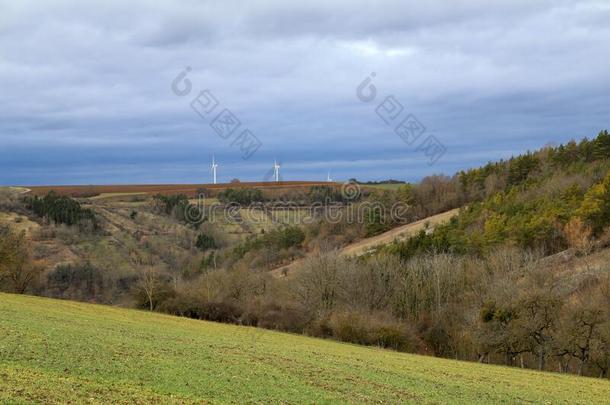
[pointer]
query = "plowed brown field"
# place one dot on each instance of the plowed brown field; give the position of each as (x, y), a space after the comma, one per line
(190, 190)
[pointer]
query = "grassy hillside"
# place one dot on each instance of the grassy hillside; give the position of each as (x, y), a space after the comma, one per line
(59, 351)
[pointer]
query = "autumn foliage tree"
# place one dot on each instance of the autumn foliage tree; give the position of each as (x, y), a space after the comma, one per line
(595, 207)
(578, 235)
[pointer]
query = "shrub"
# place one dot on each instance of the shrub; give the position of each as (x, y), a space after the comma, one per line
(243, 196)
(373, 330)
(197, 308)
(183, 305)
(151, 289)
(205, 242)
(80, 281)
(287, 237)
(178, 207)
(220, 312)
(320, 327)
(274, 316)
(578, 235)
(350, 327)
(324, 194)
(275, 240)
(168, 204)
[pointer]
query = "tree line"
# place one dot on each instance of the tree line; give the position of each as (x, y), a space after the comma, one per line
(61, 210)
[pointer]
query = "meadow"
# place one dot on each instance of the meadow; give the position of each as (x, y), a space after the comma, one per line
(55, 351)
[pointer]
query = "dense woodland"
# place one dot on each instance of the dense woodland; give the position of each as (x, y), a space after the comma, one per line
(488, 286)
(550, 200)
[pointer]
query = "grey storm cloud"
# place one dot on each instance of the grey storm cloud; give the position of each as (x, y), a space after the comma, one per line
(88, 83)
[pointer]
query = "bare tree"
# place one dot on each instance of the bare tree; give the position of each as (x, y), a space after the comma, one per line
(17, 271)
(586, 322)
(372, 285)
(148, 282)
(318, 286)
(600, 350)
(537, 316)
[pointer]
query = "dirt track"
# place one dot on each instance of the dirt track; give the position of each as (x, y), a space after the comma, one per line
(400, 233)
(16, 190)
(365, 245)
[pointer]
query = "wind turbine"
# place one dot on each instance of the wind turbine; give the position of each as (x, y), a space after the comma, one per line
(214, 167)
(328, 179)
(276, 170)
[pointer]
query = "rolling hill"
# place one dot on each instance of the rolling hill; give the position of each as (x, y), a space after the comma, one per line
(368, 245)
(59, 352)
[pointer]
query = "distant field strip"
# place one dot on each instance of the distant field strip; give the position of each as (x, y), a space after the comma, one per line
(114, 195)
(65, 352)
(169, 189)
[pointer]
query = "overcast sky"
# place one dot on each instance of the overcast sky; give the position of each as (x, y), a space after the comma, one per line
(86, 86)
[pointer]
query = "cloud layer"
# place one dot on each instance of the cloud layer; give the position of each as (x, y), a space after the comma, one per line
(85, 87)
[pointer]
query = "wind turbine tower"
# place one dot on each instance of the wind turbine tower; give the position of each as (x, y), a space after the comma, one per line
(328, 178)
(276, 171)
(214, 167)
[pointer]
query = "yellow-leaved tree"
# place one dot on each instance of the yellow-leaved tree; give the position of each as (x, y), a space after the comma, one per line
(595, 207)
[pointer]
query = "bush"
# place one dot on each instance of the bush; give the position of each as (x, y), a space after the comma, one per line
(320, 327)
(274, 316)
(287, 237)
(350, 327)
(162, 288)
(196, 308)
(275, 240)
(324, 195)
(168, 204)
(81, 282)
(205, 242)
(372, 330)
(181, 305)
(179, 207)
(220, 312)
(243, 196)
(8, 200)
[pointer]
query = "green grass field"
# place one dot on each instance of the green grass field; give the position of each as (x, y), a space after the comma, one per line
(59, 351)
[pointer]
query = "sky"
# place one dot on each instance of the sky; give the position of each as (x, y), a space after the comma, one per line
(115, 92)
